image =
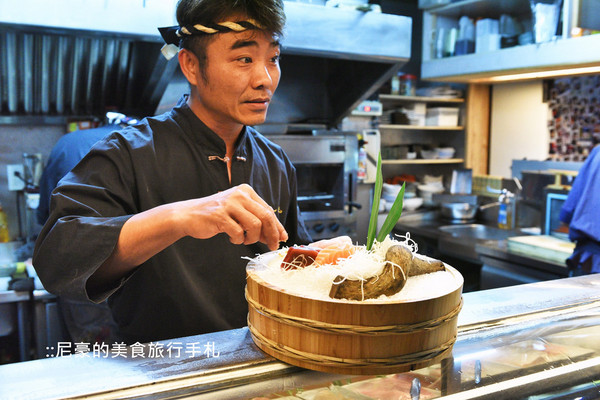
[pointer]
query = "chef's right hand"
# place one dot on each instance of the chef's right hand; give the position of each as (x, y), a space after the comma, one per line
(238, 212)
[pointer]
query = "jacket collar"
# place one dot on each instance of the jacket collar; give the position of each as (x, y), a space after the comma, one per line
(207, 138)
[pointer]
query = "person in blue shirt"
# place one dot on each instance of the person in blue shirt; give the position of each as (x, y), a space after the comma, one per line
(65, 154)
(581, 211)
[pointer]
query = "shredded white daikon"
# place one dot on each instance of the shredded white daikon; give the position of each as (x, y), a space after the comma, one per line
(315, 281)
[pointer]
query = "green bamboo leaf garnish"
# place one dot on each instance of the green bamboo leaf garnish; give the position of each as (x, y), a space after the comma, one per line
(375, 209)
(393, 216)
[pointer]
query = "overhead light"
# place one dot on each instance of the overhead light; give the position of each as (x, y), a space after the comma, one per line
(541, 74)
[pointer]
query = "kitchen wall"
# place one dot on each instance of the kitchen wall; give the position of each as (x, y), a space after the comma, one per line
(574, 126)
(518, 126)
(14, 141)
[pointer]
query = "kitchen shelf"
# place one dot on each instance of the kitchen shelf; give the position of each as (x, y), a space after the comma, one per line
(421, 137)
(423, 161)
(534, 58)
(481, 8)
(420, 127)
(536, 61)
(393, 98)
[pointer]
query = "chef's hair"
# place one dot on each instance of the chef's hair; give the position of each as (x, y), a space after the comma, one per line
(266, 14)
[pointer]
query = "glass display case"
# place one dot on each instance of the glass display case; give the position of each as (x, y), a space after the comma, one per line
(548, 355)
(532, 341)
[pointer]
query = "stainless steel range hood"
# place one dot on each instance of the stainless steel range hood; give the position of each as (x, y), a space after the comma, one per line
(332, 59)
(52, 68)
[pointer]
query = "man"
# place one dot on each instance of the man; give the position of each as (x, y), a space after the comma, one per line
(158, 217)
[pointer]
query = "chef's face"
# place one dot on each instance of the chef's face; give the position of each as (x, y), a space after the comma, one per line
(240, 76)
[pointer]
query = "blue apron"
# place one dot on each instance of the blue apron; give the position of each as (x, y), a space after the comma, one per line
(585, 258)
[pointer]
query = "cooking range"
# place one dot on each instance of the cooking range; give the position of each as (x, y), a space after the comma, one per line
(326, 167)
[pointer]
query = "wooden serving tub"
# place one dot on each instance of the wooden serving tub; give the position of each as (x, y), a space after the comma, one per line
(349, 337)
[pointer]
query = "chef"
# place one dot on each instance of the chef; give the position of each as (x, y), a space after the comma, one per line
(159, 217)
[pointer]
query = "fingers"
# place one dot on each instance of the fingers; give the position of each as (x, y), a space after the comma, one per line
(282, 234)
(259, 224)
(256, 221)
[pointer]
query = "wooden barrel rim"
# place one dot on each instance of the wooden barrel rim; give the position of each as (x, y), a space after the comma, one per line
(398, 361)
(314, 325)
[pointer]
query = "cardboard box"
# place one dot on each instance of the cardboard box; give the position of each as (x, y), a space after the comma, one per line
(442, 116)
(416, 113)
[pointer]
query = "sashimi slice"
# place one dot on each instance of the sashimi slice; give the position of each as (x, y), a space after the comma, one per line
(299, 257)
(340, 240)
(332, 253)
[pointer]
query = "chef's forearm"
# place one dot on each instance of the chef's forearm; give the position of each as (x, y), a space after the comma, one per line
(238, 212)
(141, 237)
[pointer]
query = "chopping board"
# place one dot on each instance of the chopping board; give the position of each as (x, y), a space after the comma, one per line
(542, 246)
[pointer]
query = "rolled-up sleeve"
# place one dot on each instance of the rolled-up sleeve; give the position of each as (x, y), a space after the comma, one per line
(88, 210)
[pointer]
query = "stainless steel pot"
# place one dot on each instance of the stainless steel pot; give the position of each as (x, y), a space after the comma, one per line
(463, 211)
(459, 211)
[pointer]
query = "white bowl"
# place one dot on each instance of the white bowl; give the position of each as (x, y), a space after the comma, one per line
(431, 188)
(433, 179)
(427, 191)
(388, 197)
(445, 152)
(412, 203)
(391, 189)
(428, 154)
(383, 206)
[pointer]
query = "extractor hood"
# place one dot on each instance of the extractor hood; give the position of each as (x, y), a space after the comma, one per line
(52, 68)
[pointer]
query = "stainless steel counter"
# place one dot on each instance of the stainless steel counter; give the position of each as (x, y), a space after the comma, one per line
(227, 364)
(478, 245)
(430, 225)
(11, 296)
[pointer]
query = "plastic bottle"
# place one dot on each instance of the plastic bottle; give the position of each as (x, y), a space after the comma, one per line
(361, 174)
(408, 85)
(465, 43)
(4, 235)
(506, 210)
(395, 84)
(12, 268)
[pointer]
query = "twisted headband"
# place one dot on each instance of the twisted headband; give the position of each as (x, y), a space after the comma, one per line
(172, 35)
